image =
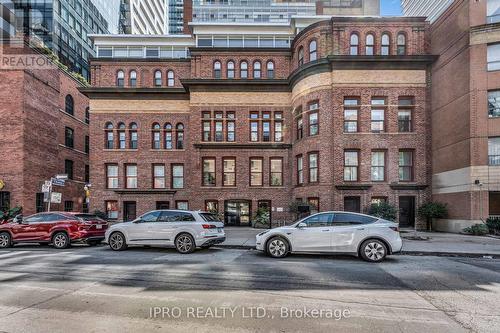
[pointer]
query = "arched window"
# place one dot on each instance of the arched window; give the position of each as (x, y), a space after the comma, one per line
(230, 70)
(385, 48)
(120, 78)
(300, 56)
(370, 44)
(87, 115)
(133, 79)
(217, 70)
(179, 140)
(256, 70)
(244, 70)
(122, 136)
(156, 136)
(354, 48)
(313, 50)
(133, 136)
(109, 136)
(401, 44)
(69, 105)
(270, 70)
(158, 79)
(168, 136)
(170, 79)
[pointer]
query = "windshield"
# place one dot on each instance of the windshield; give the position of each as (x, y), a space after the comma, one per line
(89, 217)
(209, 217)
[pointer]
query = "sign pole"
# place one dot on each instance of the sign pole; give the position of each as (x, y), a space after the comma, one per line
(50, 198)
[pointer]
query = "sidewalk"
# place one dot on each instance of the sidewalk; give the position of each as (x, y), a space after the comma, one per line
(432, 243)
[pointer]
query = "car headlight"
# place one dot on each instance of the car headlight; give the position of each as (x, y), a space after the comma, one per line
(263, 233)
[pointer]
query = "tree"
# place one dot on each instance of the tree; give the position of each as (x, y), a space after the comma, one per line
(432, 210)
(383, 210)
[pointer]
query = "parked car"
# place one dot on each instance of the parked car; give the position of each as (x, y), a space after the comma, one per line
(184, 230)
(60, 229)
(370, 237)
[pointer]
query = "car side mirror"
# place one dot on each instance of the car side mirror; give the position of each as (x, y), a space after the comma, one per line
(18, 219)
(302, 225)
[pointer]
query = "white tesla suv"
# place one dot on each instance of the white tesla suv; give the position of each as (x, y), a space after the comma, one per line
(370, 237)
(185, 230)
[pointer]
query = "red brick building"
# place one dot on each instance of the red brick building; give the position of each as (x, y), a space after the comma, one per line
(235, 118)
(43, 132)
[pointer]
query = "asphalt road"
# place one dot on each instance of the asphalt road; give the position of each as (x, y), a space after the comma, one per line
(85, 289)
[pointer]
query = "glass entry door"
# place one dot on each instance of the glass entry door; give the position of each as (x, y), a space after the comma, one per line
(237, 212)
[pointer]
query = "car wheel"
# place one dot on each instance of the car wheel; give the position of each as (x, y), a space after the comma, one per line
(277, 247)
(184, 243)
(373, 250)
(60, 240)
(117, 241)
(5, 240)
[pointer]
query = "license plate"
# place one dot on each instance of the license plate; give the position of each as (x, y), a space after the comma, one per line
(98, 226)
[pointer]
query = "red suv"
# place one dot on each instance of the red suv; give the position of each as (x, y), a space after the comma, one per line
(59, 228)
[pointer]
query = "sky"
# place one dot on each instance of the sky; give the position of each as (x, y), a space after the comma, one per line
(390, 7)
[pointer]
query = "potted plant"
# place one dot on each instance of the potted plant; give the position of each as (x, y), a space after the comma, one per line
(262, 219)
(10, 214)
(432, 210)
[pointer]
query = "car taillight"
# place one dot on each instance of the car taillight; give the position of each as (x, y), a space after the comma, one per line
(396, 229)
(208, 226)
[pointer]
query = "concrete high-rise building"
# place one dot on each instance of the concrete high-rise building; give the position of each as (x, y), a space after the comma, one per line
(175, 16)
(62, 25)
(431, 9)
(143, 17)
(348, 7)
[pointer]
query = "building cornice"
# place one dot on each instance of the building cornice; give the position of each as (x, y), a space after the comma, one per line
(145, 191)
(343, 62)
(408, 187)
(356, 187)
(275, 85)
(134, 93)
(253, 146)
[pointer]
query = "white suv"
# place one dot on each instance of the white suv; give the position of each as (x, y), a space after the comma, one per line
(185, 230)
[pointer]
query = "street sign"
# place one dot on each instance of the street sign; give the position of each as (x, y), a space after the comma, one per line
(62, 176)
(57, 182)
(46, 188)
(56, 197)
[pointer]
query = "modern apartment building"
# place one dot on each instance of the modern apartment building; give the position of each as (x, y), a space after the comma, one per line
(238, 117)
(43, 132)
(466, 112)
(143, 17)
(267, 11)
(431, 9)
(63, 26)
(7, 20)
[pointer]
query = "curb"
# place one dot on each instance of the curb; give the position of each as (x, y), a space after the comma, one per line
(402, 253)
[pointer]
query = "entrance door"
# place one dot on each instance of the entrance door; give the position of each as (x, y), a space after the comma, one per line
(407, 212)
(237, 212)
(129, 211)
(162, 205)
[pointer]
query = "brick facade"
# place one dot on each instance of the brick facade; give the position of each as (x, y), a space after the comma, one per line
(33, 134)
(288, 95)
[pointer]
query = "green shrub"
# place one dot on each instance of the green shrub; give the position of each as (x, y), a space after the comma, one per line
(493, 225)
(383, 210)
(262, 218)
(10, 214)
(432, 210)
(477, 229)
